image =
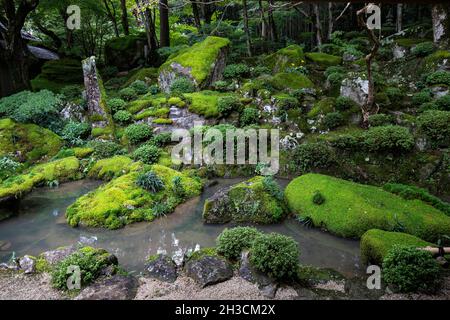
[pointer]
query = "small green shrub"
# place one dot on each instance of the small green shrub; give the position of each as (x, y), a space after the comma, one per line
(74, 133)
(308, 156)
(318, 198)
(428, 106)
(273, 188)
(286, 103)
(407, 269)
(160, 210)
(231, 242)
(276, 255)
(260, 70)
(137, 133)
(153, 89)
(395, 95)
(139, 86)
(72, 92)
(345, 142)
(423, 49)
(249, 116)
(380, 119)
(8, 167)
(116, 104)
(333, 120)
(389, 139)
(177, 187)
(335, 79)
(182, 85)
(435, 125)
(228, 104)
(422, 97)
(150, 182)
(343, 103)
(128, 94)
(443, 103)
(221, 86)
(334, 69)
(148, 154)
(439, 77)
(161, 139)
(236, 71)
(123, 117)
(105, 149)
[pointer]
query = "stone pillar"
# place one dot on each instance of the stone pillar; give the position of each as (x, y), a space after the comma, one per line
(93, 86)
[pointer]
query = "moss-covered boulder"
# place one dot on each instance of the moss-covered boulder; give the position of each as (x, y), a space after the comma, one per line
(204, 103)
(202, 63)
(290, 80)
(349, 209)
(375, 244)
(248, 201)
(57, 74)
(289, 57)
(148, 75)
(323, 60)
(123, 201)
(107, 169)
(126, 52)
(28, 142)
(56, 171)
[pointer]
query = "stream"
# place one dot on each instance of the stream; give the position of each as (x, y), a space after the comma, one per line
(39, 225)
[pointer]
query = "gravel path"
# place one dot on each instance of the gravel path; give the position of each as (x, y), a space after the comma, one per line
(19, 286)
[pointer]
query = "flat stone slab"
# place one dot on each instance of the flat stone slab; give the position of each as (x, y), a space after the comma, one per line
(209, 270)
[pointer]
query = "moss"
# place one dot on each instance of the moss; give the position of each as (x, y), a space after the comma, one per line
(33, 142)
(351, 208)
(432, 60)
(139, 105)
(310, 276)
(82, 153)
(200, 58)
(204, 103)
(107, 169)
(204, 252)
(292, 80)
(102, 132)
(324, 106)
(375, 244)
(121, 201)
(324, 60)
(59, 170)
(291, 56)
(57, 74)
(176, 101)
(142, 74)
(42, 265)
(153, 112)
(162, 121)
(408, 42)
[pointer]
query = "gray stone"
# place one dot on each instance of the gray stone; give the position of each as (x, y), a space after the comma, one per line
(73, 112)
(55, 256)
(356, 89)
(439, 91)
(398, 52)
(209, 269)
(27, 264)
(162, 268)
(117, 287)
(347, 57)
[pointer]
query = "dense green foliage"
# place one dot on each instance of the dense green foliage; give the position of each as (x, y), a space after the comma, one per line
(231, 242)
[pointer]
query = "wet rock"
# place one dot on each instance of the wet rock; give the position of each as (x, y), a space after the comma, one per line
(55, 256)
(117, 287)
(10, 266)
(356, 288)
(208, 269)
(27, 264)
(162, 268)
(356, 89)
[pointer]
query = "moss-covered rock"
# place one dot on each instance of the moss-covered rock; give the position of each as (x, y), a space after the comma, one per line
(284, 80)
(375, 244)
(144, 74)
(323, 60)
(56, 171)
(107, 169)
(126, 52)
(28, 141)
(291, 56)
(57, 74)
(202, 63)
(122, 201)
(350, 209)
(204, 103)
(248, 201)
(323, 106)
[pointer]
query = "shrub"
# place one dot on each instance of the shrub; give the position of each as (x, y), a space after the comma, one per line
(109, 72)
(408, 269)
(105, 149)
(343, 103)
(150, 182)
(122, 117)
(439, 77)
(435, 125)
(153, 89)
(345, 141)
(428, 106)
(313, 155)
(334, 69)
(380, 119)
(74, 132)
(422, 97)
(260, 70)
(160, 210)
(335, 79)
(116, 104)
(273, 188)
(395, 95)
(443, 103)
(333, 120)
(286, 103)
(128, 94)
(276, 255)
(137, 133)
(72, 92)
(8, 167)
(221, 86)
(318, 198)
(423, 49)
(236, 71)
(228, 104)
(177, 187)
(231, 242)
(139, 86)
(249, 116)
(388, 138)
(148, 154)
(182, 85)
(162, 139)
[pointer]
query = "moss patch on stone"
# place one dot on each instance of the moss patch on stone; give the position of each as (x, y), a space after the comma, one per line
(107, 169)
(350, 209)
(291, 56)
(291, 80)
(204, 103)
(323, 106)
(324, 60)
(33, 142)
(375, 244)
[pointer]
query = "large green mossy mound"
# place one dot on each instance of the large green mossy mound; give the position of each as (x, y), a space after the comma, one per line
(57, 74)
(53, 172)
(204, 103)
(323, 60)
(122, 201)
(289, 57)
(349, 209)
(248, 201)
(107, 169)
(375, 244)
(290, 80)
(31, 141)
(198, 61)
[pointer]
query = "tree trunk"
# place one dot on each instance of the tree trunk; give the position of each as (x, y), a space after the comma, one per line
(196, 14)
(111, 13)
(399, 17)
(263, 21)
(441, 23)
(318, 25)
(207, 11)
(124, 17)
(164, 31)
(272, 25)
(330, 19)
(246, 29)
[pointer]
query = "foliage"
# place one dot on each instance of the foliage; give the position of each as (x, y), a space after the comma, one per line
(137, 133)
(407, 269)
(105, 149)
(318, 198)
(423, 49)
(308, 156)
(422, 97)
(276, 255)
(182, 85)
(75, 132)
(273, 188)
(236, 71)
(249, 116)
(333, 120)
(146, 153)
(150, 182)
(343, 103)
(139, 86)
(443, 103)
(436, 126)
(122, 117)
(231, 242)
(8, 167)
(227, 104)
(388, 138)
(128, 94)
(380, 119)
(439, 77)
(71, 92)
(394, 94)
(116, 104)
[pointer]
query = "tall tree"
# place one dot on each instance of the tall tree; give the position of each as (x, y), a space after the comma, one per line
(15, 54)
(247, 29)
(111, 13)
(164, 30)
(124, 17)
(318, 25)
(272, 25)
(399, 23)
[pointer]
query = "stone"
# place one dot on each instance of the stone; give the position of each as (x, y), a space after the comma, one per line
(439, 91)
(356, 89)
(162, 268)
(55, 256)
(27, 264)
(208, 269)
(398, 52)
(4, 245)
(348, 57)
(73, 112)
(117, 287)
(249, 273)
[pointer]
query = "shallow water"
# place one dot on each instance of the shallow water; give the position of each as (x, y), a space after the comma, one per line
(39, 225)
